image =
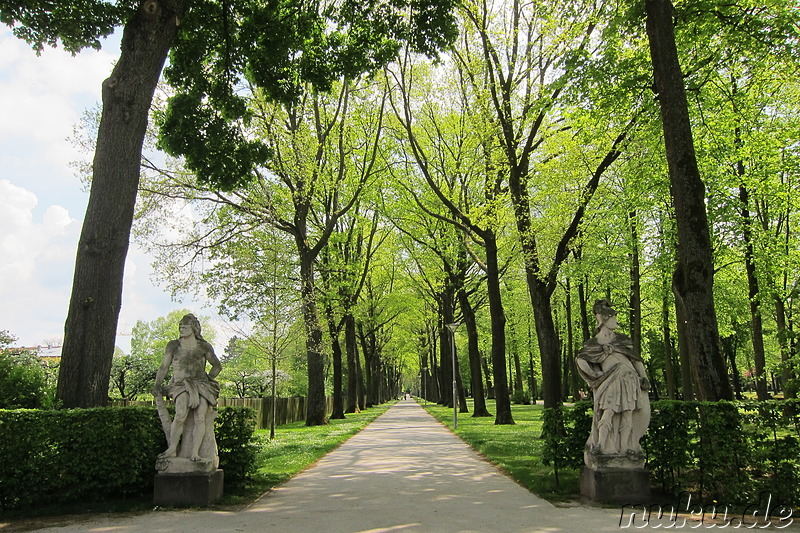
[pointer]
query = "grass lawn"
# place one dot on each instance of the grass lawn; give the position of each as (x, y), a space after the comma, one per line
(517, 449)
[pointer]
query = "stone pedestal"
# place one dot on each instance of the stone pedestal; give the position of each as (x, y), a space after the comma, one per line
(617, 479)
(188, 488)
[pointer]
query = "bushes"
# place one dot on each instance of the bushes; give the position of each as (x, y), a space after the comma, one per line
(97, 454)
(80, 454)
(565, 431)
(728, 451)
(23, 381)
(237, 451)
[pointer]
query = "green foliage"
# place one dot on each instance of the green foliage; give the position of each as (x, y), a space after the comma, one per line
(730, 451)
(218, 152)
(282, 50)
(774, 430)
(553, 432)
(23, 379)
(99, 454)
(77, 24)
(721, 452)
(74, 455)
(237, 450)
(578, 425)
(668, 441)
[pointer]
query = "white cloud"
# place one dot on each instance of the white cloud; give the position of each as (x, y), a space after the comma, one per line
(42, 99)
(36, 264)
(37, 261)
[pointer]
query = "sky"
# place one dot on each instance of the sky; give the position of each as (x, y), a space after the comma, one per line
(42, 199)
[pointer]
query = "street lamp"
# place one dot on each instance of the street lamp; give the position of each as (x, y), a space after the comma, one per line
(452, 327)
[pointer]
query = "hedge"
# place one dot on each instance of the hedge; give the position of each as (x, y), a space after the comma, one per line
(727, 451)
(98, 454)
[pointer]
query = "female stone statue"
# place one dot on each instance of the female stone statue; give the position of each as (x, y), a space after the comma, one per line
(617, 377)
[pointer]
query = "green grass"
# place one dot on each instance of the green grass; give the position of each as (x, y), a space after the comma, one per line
(517, 448)
(295, 448)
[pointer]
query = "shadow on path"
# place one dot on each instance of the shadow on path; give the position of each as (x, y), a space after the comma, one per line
(403, 472)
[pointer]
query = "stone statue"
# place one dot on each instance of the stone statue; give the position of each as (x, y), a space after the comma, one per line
(616, 375)
(190, 434)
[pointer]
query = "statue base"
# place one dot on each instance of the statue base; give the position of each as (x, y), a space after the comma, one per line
(615, 478)
(184, 465)
(616, 485)
(188, 489)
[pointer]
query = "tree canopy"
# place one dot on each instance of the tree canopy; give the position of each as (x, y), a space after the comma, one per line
(386, 169)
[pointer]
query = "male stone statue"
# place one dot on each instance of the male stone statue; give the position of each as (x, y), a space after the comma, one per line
(617, 377)
(191, 433)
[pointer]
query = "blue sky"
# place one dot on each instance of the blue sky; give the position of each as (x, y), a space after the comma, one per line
(42, 200)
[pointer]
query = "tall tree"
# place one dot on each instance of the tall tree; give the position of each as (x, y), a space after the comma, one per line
(150, 30)
(694, 275)
(443, 144)
(289, 54)
(343, 269)
(361, 37)
(529, 54)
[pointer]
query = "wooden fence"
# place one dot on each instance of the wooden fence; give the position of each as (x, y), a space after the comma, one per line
(287, 410)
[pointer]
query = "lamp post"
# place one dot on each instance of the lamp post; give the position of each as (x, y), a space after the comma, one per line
(452, 327)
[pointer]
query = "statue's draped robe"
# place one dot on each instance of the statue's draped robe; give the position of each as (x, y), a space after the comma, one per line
(617, 388)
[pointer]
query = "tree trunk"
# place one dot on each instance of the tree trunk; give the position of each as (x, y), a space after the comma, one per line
(685, 356)
(756, 327)
(669, 367)
(316, 408)
(460, 393)
(548, 343)
(549, 350)
(434, 391)
(573, 383)
(789, 387)
(338, 393)
(479, 406)
(636, 287)
(582, 302)
(351, 349)
(695, 261)
(730, 347)
(361, 391)
(446, 341)
(517, 369)
(91, 324)
(532, 375)
(371, 374)
(498, 324)
(488, 375)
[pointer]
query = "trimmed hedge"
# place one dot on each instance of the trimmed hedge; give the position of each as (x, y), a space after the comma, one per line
(97, 454)
(235, 427)
(728, 451)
